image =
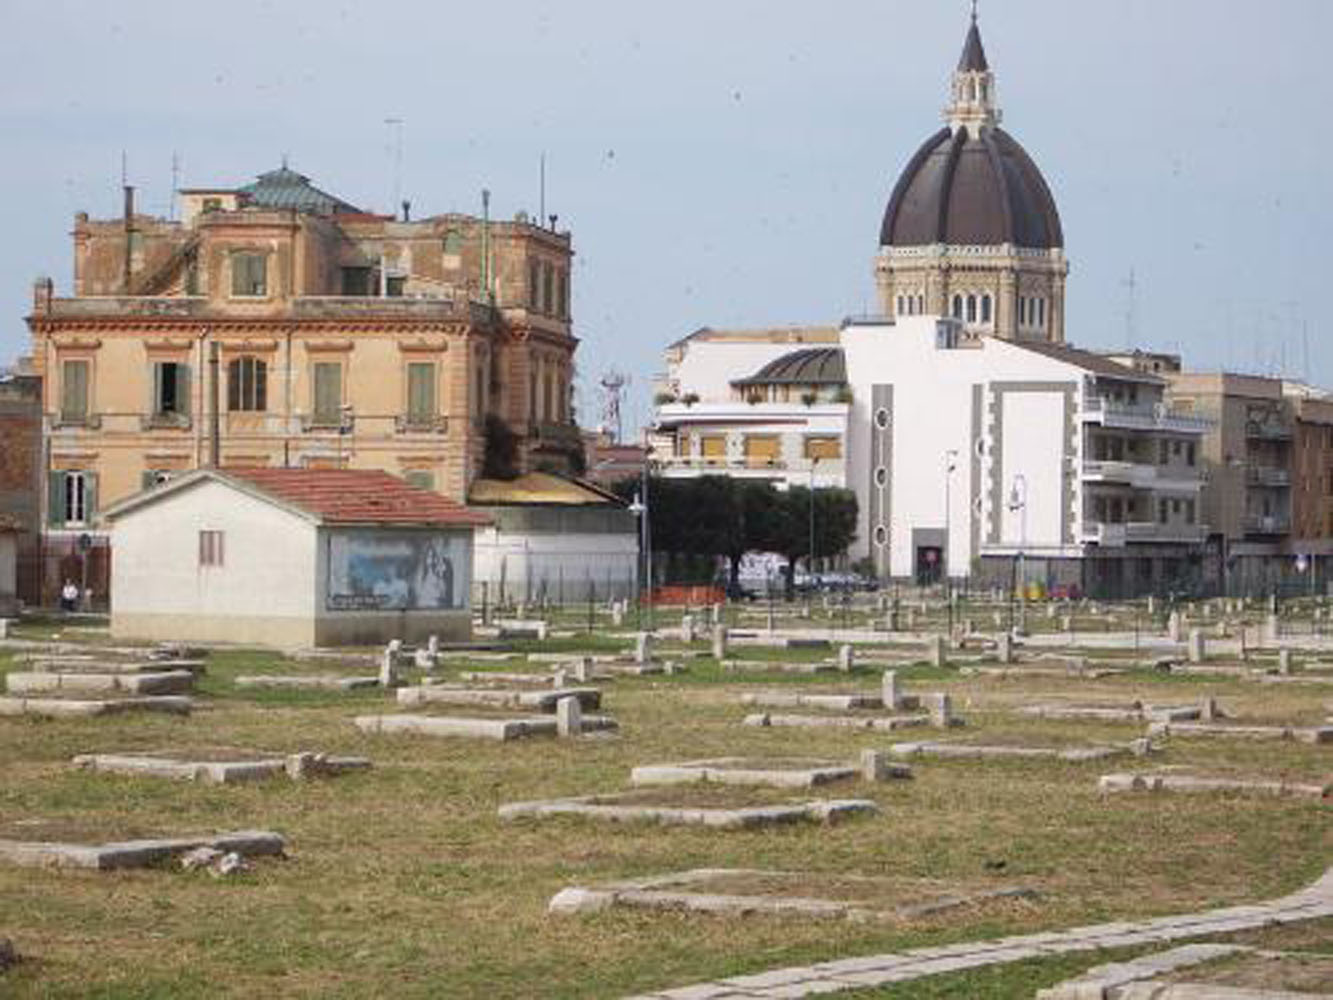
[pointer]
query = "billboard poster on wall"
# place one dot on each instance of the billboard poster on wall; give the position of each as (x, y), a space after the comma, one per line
(395, 571)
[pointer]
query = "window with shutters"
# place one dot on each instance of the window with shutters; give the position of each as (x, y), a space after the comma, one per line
(328, 393)
(211, 548)
(548, 289)
(562, 301)
(171, 389)
(713, 448)
(422, 479)
(762, 449)
(247, 385)
(534, 283)
(823, 447)
(421, 407)
(74, 392)
(71, 498)
(249, 274)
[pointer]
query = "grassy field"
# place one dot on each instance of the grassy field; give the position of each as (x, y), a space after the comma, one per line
(403, 882)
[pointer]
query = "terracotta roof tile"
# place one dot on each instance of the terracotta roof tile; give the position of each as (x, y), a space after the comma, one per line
(358, 496)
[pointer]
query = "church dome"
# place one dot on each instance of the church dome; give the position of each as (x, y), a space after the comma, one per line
(972, 184)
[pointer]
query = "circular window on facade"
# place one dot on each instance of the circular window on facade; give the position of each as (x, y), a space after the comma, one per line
(881, 477)
(881, 418)
(881, 536)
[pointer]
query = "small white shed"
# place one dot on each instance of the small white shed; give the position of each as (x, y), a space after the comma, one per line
(291, 558)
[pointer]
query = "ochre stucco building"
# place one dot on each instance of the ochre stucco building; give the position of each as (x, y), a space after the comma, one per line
(276, 325)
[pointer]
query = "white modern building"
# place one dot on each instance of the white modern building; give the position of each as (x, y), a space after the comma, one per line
(971, 455)
(768, 405)
(291, 558)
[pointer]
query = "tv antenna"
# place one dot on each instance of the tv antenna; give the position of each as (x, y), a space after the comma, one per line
(613, 387)
(1131, 286)
(396, 127)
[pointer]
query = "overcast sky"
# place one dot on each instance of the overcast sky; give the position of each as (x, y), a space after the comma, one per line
(721, 163)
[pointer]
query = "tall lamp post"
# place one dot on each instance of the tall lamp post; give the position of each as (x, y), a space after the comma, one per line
(1018, 501)
(810, 555)
(950, 463)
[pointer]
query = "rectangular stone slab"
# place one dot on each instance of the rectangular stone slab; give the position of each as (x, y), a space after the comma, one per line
(320, 682)
(69, 708)
(544, 701)
(830, 702)
(966, 750)
(215, 772)
(485, 729)
(608, 809)
(738, 771)
(1186, 783)
(1302, 734)
(1107, 713)
(163, 682)
(102, 665)
(134, 853)
(885, 722)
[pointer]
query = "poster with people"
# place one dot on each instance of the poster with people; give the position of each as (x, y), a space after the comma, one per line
(395, 571)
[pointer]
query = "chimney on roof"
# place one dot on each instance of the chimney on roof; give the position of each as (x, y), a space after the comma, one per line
(407, 210)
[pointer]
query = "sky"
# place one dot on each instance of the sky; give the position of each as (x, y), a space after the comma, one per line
(722, 163)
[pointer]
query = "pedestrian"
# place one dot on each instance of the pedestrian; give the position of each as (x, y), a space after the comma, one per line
(69, 597)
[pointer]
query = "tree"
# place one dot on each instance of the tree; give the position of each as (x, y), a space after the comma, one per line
(835, 513)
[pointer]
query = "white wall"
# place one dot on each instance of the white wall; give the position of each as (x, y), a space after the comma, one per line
(269, 558)
(709, 367)
(525, 560)
(933, 413)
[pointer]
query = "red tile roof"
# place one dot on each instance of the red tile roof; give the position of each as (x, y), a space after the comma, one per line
(358, 496)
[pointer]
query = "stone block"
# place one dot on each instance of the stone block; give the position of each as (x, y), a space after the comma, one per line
(890, 694)
(876, 766)
(1196, 646)
(940, 706)
(720, 638)
(643, 647)
(569, 717)
(935, 651)
(846, 658)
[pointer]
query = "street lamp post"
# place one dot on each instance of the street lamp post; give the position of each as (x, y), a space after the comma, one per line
(640, 511)
(950, 458)
(810, 554)
(1018, 501)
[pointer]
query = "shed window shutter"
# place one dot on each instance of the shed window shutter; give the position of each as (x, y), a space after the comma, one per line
(183, 389)
(89, 496)
(55, 498)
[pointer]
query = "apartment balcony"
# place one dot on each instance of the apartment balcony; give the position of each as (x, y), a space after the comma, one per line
(405, 424)
(1268, 430)
(1117, 536)
(1143, 475)
(671, 415)
(1140, 417)
(1266, 524)
(165, 422)
(1258, 475)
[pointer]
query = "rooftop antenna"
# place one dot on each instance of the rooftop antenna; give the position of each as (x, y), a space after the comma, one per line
(124, 168)
(613, 387)
(175, 186)
(396, 125)
(1131, 285)
(541, 215)
(974, 11)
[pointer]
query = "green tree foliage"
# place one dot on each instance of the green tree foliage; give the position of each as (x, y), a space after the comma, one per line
(714, 516)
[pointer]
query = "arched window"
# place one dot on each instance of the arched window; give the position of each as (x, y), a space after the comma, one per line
(1022, 312)
(247, 385)
(957, 307)
(971, 308)
(985, 309)
(1041, 314)
(920, 304)
(899, 310)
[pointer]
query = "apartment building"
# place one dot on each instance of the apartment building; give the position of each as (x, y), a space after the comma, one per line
(277, 325)
(763, 404)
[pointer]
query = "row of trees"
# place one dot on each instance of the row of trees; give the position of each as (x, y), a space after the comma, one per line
(714, 516)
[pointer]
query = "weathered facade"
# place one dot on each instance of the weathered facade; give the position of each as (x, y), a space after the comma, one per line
(277, 325)
(21, 479)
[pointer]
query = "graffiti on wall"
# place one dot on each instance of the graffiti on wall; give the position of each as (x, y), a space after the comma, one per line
(395, 571)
